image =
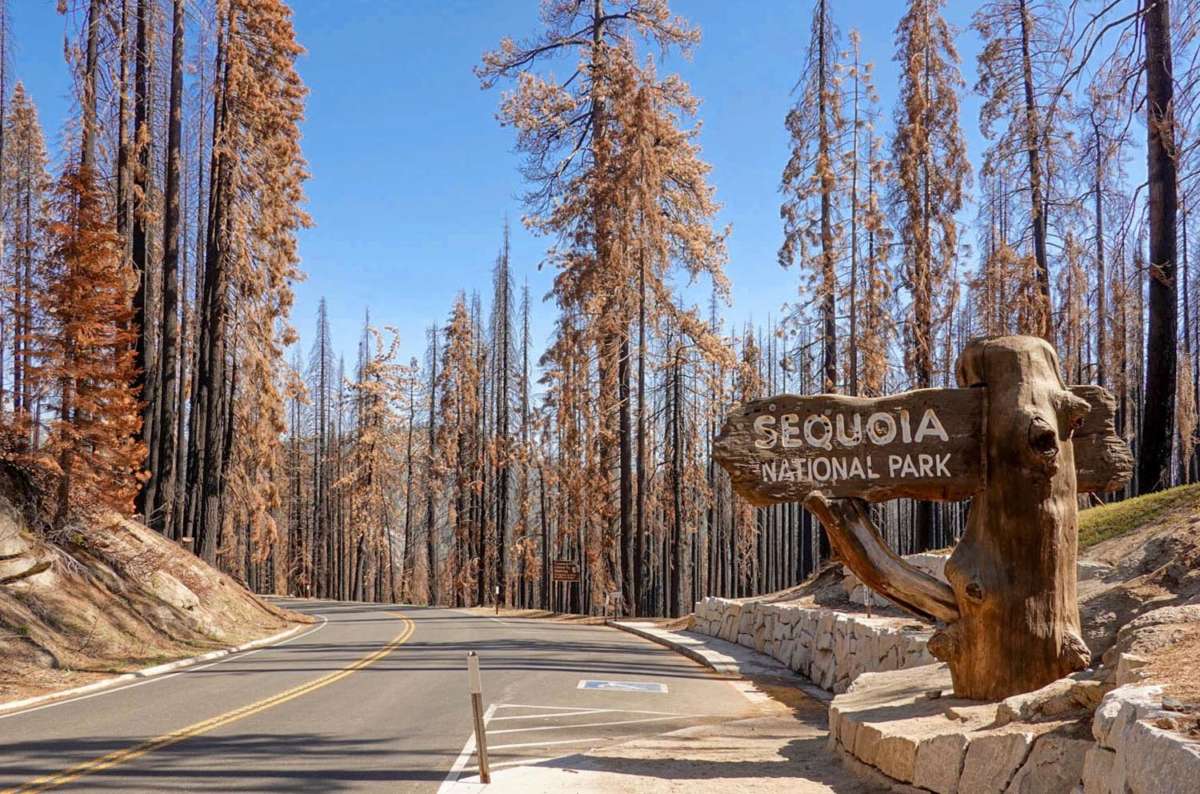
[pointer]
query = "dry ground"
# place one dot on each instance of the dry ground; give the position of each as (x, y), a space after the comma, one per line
(106, 597)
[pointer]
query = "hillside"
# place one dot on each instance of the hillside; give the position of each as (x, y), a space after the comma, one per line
(84, 603)
(1140, 555)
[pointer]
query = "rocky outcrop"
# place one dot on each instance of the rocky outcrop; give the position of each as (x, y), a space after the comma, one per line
(828, 647)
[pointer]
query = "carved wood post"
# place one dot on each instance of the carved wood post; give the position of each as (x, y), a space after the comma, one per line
(1013, 573)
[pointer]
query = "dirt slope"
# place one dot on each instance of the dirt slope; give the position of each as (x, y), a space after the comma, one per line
(108, 597)
(1144, 555)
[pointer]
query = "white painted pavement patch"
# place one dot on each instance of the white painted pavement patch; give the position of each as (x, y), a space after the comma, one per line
(463, 776)
(644, 687)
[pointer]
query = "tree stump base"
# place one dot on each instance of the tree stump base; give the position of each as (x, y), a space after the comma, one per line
(1013, 573)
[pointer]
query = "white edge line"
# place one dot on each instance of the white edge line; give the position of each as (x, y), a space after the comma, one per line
(460, 763)
(151, 674)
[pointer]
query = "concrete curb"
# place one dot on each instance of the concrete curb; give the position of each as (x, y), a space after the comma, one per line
(723, 664)
(692, 649)
(146, 672)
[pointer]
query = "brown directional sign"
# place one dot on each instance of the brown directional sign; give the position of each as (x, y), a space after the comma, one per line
(925, 444)
(564, 571)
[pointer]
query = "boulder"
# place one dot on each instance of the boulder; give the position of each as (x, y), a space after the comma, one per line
(1058, 698)
(171, 590)
(1121, 707)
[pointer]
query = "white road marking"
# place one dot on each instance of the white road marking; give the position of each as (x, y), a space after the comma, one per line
(551, 708)
(543, 744)
(156, 679)
(573, 713)
(588, 725)
(518, 762)
(640, 687)
(460, 763)
(548, 716)
(749, 691)
(464, 778)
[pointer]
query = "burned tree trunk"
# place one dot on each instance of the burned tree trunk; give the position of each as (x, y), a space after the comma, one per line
(1013, 574)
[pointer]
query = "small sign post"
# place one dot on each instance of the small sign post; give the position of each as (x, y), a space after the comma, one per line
(564, 573)
(475, 682)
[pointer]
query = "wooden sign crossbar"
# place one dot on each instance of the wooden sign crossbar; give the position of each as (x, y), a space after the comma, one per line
(924, 444)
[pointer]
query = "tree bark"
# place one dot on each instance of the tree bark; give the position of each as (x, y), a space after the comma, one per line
(169, 360)
(143, 381)
(430, 532)
(1037, 204)
(1158, 419)
(1013, 573)
(1101, 275)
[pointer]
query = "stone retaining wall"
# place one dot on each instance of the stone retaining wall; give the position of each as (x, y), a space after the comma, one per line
(828, 647)
(905, 731)
(1134, 752)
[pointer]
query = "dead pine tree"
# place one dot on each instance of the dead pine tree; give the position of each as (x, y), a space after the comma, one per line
(1020, 67)
(929, 152)
(1158, 419)
(85, 356)
(811, 177)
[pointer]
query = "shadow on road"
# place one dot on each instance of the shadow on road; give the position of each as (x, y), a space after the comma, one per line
(238, 762)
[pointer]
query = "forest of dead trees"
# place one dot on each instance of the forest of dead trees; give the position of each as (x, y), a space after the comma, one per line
(147, 364)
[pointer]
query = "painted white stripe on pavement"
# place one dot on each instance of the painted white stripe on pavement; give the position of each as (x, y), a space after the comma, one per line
(156, 679)
(543, 744)
(519, 762)
(589, 724)
(551, 715)
(460, 763)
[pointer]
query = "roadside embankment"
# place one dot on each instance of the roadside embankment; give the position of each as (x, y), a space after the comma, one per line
(81, 604)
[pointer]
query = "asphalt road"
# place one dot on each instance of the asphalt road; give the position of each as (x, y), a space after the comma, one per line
(373, 698)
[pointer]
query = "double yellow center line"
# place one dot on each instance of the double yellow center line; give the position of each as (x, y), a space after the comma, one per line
(118, 757)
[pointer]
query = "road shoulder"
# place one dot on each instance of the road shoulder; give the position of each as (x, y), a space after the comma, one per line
(782, 749)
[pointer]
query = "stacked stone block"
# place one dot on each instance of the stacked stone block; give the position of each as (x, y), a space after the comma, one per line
(828, 647)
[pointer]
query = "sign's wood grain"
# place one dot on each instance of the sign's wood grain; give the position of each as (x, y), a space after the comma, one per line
(923, 444)
(1103, 461)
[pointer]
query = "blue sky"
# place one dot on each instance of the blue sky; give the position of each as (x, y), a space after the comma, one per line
(412, 176)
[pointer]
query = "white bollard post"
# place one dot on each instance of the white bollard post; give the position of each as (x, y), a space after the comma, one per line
(476, 685)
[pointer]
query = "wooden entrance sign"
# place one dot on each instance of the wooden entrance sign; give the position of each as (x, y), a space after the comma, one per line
(564, 571)
(1014, 439)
